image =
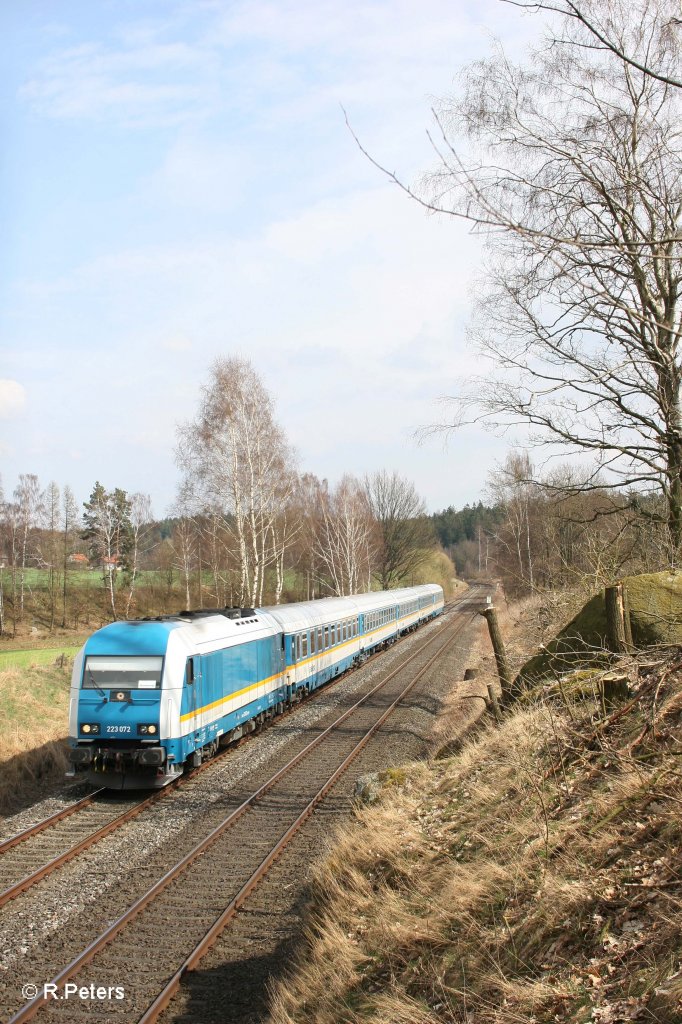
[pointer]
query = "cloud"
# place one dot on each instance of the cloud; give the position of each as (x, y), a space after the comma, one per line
(139, 83)
(12, 399)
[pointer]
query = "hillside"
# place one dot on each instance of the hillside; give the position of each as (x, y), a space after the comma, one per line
(34, 705)
(533, 875)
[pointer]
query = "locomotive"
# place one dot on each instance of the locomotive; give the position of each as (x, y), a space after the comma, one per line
(152, 697)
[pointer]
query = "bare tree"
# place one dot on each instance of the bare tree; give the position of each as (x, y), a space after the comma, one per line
(3, 541)
(405, 533)
(140, 523)
(70, 525)
(106, 525)
(185, 553)
(603, 23)
(29, 503)
(345, 539)
(238, 465)
(50, 550)
(284, 527)
(511, 487)
(576, 159)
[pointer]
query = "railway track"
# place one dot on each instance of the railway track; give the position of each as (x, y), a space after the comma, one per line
(31, 855)
(208, 884)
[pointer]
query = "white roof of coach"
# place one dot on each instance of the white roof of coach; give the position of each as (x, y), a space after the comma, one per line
(307, 614)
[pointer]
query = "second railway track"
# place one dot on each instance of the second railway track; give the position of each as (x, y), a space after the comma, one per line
(239, 838)
(34, 853)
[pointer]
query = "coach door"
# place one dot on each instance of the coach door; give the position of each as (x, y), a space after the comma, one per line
(194, 693)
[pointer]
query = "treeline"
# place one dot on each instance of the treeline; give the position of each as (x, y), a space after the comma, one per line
(563, 530)
(247, 529)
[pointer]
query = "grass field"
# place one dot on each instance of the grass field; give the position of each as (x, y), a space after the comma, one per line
(26, 659)
(39, 579)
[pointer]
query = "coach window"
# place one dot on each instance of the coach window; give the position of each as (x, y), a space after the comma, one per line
(298, 647)
(326, 638)
(304, 645)
(332, 635)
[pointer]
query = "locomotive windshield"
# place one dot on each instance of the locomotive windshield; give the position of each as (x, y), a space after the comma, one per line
(127, 673)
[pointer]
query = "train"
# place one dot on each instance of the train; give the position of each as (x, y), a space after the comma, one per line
(152, 698)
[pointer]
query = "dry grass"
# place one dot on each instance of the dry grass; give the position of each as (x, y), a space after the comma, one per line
(33, 724)
(532, 876)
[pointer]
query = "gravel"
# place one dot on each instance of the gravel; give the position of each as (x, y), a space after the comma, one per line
(79, 886)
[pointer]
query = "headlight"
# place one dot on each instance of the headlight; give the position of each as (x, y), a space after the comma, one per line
(148, 729)
(90, 728)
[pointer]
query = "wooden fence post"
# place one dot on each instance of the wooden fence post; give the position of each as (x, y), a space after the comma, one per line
(503, 670)
(492, 700)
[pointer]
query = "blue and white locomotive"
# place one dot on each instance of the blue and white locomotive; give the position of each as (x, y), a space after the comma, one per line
(153, 696)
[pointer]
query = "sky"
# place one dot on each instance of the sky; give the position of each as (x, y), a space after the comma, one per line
(178, 183)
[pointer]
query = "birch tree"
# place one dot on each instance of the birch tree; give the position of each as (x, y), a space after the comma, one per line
(603, 25)
(140, 517)
(238, 466)
(3, 542)
(346, 536)
(29, 508)
(11, 522)
(70, 524)
(50, 554)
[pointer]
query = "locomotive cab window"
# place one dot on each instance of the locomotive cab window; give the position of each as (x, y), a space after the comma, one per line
(124, 673)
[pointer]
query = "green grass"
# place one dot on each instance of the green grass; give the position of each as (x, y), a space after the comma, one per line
(25, 659)
(39, 579)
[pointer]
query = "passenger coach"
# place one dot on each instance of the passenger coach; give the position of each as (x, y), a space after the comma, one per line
(151, 697)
